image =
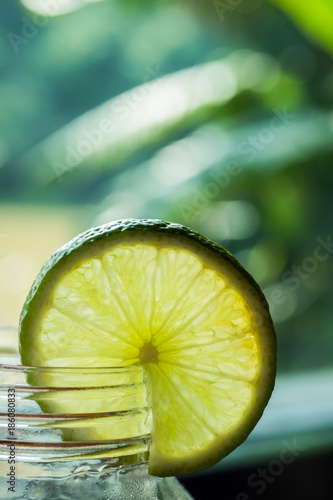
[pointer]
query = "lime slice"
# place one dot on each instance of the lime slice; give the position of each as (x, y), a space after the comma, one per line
(158, 295)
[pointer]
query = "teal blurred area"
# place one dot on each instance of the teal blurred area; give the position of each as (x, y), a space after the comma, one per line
(217, 115)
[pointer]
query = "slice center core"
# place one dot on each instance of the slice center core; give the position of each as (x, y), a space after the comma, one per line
(148, 353)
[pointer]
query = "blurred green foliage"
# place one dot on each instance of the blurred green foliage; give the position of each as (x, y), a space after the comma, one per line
(214, 114)
(315, 18)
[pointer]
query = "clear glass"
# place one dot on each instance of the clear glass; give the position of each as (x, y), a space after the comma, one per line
(60, 456)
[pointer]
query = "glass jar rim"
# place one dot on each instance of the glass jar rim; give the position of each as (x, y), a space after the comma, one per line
(135, 367)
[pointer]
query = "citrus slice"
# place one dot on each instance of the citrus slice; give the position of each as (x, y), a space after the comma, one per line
(157, 294)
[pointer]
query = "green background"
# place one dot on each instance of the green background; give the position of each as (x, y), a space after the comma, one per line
(217, 115)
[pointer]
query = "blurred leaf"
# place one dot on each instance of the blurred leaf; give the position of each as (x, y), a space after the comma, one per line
(110, 133)
(54, 9)
(207, 166)
(315, 17)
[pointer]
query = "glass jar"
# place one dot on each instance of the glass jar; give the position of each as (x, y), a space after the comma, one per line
(76, 433)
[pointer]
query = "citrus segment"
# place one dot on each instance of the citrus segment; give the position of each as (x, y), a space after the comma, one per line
(159, 295)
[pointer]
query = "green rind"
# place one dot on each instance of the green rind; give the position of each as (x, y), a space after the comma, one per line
(97, 239)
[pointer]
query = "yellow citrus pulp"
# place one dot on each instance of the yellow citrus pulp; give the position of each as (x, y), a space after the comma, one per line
(158, 295)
